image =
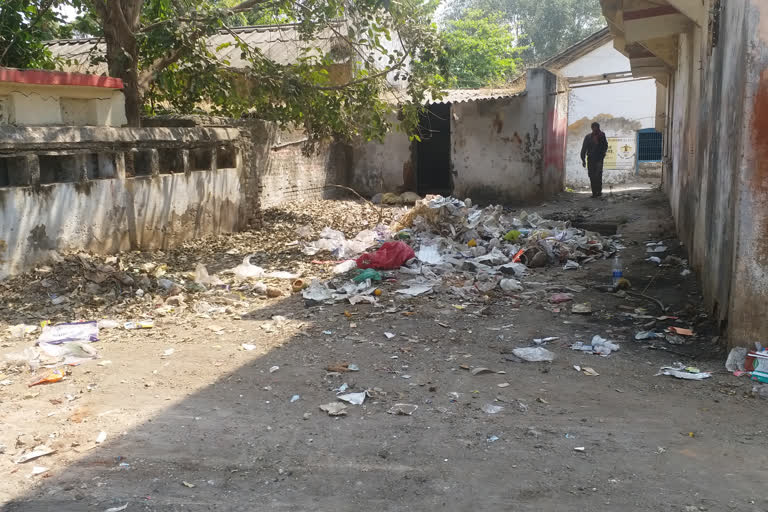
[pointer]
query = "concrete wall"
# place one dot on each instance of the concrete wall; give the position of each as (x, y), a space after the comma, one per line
(502, 149)
(511, 149)
(112, 189)
(381, 166)
(621, 109)
(33, 104)
(716, 165)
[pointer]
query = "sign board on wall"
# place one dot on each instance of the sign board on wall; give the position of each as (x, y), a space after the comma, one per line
(621, 153)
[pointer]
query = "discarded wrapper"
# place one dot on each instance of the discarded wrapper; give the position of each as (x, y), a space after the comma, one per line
(403, 409)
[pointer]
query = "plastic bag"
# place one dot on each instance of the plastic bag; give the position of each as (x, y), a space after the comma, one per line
(63, 333)
(390, 256)
(72, 353)
(736, 358)
(430, 255)
(202, 276)
(247, 271)
(534, 354)
(511, 285)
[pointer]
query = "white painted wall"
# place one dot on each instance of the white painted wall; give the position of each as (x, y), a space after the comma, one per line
(632, 104)
(40, 105)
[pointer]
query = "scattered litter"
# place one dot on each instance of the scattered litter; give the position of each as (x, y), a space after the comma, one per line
(736, 359)
(503, 384)
(20, 330)
(295, 398)
(317, 292)
(654, 259)
(248, 346)
(389, 335)
(534, 354)
(117, 509)
(101, 437)
(390, 256)
(141, 324)
(354, 398)
(681, 331)
(492, 409)
(571, 265)
(430, 255)
(539, 341)
(273, 369)
(68, 353)
(108, 324)
(598, 346)
(559, 298)
(582, 309)
(590, 371)
(344, 267)
(655, 247)
(756, 363)
(402, 409)
(579, 449)
(202, 277)
(54, 376)
(481, 370)
(511, 285)
(168, 352)
(36, 453)
(683, 372)
(187, 484)
(649, 335)
(685, 272)
(492, 439)
(38, 470)
(342, 367)
(63, 333)
(334, 409)
(416, 290)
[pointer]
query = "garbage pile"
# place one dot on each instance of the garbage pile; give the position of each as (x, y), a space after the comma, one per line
(447, 240)
(202, 276)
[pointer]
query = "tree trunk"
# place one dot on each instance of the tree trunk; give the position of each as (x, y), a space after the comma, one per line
(122, 51)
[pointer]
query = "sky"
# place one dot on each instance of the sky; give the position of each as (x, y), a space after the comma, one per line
(67, 12)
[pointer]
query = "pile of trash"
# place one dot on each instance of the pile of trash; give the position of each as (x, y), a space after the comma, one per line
(447, 239)
(203, 276)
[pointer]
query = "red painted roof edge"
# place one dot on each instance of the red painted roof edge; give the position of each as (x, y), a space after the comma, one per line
(42, 77)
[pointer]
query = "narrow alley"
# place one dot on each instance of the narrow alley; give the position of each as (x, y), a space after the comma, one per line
(216, 404)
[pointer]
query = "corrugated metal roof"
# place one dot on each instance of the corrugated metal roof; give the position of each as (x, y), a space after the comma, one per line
(280, 43)
(463, 95)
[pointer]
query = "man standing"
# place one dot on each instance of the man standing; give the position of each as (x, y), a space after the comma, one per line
(594, 148)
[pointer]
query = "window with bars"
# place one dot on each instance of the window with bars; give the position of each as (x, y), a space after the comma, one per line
(649, 145)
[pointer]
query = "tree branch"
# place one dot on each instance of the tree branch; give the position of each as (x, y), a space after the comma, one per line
(40, 14)
(148, 74)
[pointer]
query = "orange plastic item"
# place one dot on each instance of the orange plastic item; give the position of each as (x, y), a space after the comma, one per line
(54, 376)
(516, 258)
(472, 243)
(377, 292)
(681, 331)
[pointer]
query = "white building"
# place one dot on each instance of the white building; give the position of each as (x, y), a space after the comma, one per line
(602, 89)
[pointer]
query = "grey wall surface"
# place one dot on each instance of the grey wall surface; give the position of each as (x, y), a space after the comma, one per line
(116, 189)
(502, 149)
(716, 165)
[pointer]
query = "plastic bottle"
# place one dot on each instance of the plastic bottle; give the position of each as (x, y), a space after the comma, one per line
(617, 273)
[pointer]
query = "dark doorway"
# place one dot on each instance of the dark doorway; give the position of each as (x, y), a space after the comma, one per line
(433, 153)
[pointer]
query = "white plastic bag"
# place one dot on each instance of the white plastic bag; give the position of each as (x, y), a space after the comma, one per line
(534, 354)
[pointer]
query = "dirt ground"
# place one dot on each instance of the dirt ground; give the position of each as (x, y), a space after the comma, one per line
(211, 427)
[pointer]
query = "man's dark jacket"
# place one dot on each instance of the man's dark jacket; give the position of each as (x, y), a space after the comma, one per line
(596, 150)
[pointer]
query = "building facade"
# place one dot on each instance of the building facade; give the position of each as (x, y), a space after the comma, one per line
(710, 60)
